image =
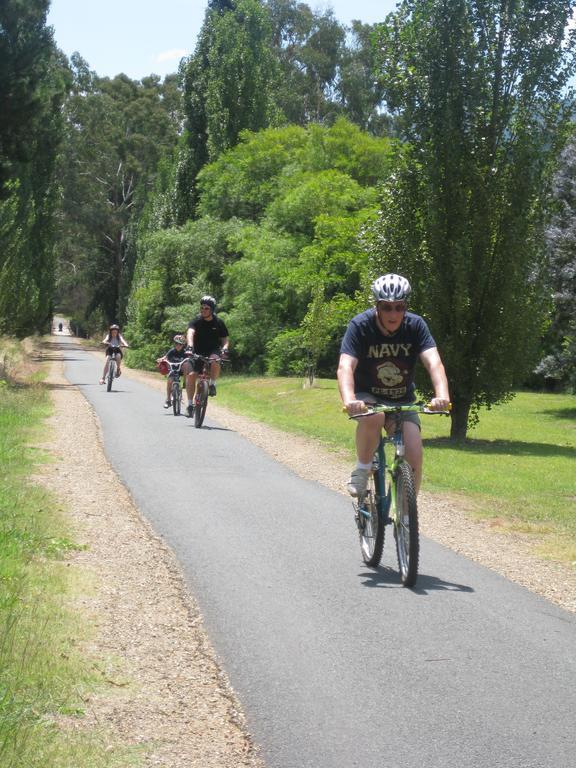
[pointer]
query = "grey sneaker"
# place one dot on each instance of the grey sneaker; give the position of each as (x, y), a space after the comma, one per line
(190, 410)
(358, 482)
(168, 404)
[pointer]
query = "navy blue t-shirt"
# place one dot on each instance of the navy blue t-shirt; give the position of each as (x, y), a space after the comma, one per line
(176, 355)
(386, 364)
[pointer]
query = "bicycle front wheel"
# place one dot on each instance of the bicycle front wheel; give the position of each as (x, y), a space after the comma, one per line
(200, 406)
(370, 523)
(176, 398)
(111, 372)
(405, 516)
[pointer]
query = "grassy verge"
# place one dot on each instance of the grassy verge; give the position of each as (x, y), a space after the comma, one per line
(43, 679)
(517, 466)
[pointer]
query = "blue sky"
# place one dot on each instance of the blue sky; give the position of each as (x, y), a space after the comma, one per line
(139, 37)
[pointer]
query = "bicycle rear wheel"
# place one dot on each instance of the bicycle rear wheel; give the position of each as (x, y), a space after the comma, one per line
(200, 405)
(370, 522)
(176, 398)
(111, 373)
(405, 516)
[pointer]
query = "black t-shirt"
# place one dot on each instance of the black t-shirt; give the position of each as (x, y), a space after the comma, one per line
(208, 334)
(386, 363)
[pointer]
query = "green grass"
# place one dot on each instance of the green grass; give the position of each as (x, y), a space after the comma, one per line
(517, 466)
(43, 678)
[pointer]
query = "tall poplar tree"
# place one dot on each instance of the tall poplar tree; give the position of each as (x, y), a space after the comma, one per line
(228, 87)
(480, 90)
(33, 83)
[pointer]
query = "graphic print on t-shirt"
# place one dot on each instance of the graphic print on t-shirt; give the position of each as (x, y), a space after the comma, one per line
(391, 377)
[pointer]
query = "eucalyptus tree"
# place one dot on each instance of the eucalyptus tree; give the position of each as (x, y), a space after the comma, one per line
(480, 90)
(117, 132)
(309, 45)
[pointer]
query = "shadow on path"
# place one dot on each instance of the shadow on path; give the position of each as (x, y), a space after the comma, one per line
(388, 577)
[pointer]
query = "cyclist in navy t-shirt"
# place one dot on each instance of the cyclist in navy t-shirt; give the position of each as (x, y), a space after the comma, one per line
(378, 358)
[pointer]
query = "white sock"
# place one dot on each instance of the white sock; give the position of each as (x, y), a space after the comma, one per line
(359, 465)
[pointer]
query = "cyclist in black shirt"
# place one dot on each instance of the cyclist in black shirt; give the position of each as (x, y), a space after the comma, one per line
(208, 336)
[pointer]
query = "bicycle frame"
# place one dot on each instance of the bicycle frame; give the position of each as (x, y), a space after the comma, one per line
(175, 390)
(201, 391)
(391, 499)
(385, 473)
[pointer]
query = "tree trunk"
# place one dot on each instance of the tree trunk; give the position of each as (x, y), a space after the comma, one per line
(459, 415)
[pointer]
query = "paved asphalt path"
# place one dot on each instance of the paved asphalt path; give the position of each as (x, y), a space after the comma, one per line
(337, 665)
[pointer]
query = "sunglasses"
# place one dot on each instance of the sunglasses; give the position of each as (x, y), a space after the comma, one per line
(205, 306)
(392, 307)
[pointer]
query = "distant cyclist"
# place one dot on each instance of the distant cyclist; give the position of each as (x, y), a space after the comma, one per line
(114, 341)
(378, 358)
(208, 336)
(174, 355)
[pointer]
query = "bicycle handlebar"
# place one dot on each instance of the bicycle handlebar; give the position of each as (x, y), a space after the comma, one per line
(371, 409)
(195, 356)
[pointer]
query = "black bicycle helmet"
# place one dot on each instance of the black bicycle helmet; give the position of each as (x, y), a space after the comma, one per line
(209, 301)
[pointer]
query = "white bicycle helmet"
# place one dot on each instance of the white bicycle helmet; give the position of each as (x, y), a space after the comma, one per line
(179, 339)
(391, 288)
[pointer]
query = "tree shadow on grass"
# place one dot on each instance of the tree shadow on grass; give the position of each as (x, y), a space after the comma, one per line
(502, 447)
(561, 413)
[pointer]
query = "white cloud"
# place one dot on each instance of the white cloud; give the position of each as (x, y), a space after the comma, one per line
(175, 53)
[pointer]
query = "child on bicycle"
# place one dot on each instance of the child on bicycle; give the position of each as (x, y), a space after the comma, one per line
(113, 341)
(174, 355)
(378, 358)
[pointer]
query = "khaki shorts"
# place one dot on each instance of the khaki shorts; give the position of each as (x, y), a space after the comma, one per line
(405, 416)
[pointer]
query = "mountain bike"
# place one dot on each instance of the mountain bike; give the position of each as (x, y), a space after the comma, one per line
(202, 382)
(174, 375)
(390, 498)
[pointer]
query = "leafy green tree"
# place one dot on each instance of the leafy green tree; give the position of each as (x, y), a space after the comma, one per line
(307, 195)
(279, 213)
(176, 266)
(479, 89)
(259, 300)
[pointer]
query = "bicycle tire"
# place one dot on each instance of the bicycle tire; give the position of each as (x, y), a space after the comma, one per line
(405, 516)
(200, 405)
(370, 523)
(176, 398)
(110, 377)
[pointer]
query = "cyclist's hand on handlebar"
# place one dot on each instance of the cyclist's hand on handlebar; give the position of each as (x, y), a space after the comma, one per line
(224, 354)
(439, 404)
(354, 407)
